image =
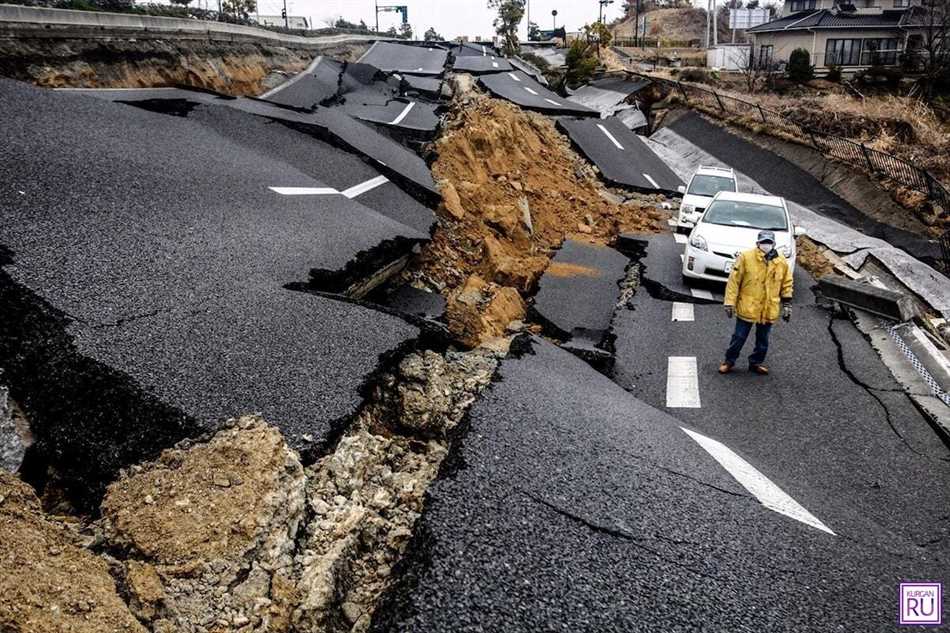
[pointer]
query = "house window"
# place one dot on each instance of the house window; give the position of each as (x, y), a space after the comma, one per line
(794, 6)
(880, 52)
(843, 53)
(765, 56)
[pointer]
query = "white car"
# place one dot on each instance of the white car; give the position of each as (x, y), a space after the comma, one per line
(705, 183)
(730, 225)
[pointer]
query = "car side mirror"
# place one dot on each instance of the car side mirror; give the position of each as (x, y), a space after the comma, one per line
(800, 231)
(681, 189)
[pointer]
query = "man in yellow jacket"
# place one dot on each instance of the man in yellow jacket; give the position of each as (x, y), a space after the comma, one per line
(759, 290)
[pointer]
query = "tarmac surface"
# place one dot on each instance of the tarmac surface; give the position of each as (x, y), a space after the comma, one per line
(166, 266)
(402, 58)
(308, 89)
(524, 91)
(623, 158)
(479, 64)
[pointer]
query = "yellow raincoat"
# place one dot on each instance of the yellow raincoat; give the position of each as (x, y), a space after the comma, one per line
(756, 286)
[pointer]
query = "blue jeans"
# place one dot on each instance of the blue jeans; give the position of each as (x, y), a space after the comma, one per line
(739, 337)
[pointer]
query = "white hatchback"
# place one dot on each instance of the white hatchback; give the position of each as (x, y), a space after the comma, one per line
(730, 225)
(705, 183)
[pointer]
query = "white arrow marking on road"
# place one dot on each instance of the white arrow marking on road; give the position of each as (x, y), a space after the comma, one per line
(652, 182)
(402, 115)
(682, 311)
(552, 102)
(680, 238)
(363, 187)
(610, 136)
(700, 293)
(305, 191)
(531, 91)
(768, 494)
(682, 383)
(514, 76)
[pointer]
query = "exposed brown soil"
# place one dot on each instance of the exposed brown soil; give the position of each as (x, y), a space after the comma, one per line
(48, 582)
(811, 258)
(513, 190)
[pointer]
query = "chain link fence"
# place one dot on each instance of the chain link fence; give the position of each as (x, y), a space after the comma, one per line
(878, 163)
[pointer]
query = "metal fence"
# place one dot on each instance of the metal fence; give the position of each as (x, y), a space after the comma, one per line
(873, 161)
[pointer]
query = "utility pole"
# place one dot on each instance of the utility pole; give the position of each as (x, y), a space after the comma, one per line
(527, 5)
(554, 16)
(636, 23)
(715, 21)
(286, 17)
(376, 4)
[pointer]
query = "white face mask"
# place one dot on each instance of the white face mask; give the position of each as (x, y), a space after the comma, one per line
(765, 247)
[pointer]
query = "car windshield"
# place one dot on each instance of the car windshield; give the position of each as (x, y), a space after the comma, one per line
(710, 185)
(753, 215)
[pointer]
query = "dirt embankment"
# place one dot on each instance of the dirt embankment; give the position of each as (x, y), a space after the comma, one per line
(514, 189)
(237, 69)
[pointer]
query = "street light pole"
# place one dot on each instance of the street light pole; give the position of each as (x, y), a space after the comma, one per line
(376, 4)
(286, 17)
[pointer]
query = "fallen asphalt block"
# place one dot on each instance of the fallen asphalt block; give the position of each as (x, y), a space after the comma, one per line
(568, 498)
(144, 295)
(868, 297)
(369, 95)
(479, 64)
(578, 292)
(607, 95)
(472, 49)
(622, 157)
(521, 89)
(318, 83)
(661, 269)
(401, 58)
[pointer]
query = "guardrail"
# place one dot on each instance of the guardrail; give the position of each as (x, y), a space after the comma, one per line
(875, 162)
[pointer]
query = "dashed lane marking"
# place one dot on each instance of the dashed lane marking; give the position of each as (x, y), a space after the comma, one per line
(531, 91)
(682, 383)
(700, 293)
(768, 494)
(610, 136)
(679, 238)
(682, 311)
(652, 182)
(352, 192)
(514, 76)
(363, 187)
(494, 64)
(402, 115)
(552, 102)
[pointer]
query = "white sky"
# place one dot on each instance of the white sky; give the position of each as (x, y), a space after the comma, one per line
(450, 18)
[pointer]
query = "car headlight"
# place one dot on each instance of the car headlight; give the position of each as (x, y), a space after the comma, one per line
(698, 242)
(785, 250)
(687, 208)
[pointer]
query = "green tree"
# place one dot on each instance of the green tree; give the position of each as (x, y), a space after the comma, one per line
(344, 24)
(391, 32)
(183, 3)
(239, 8)
(581, 63)
(799, 66)
(510, 14)
(431, 35)
(405, 31)
(534, 32)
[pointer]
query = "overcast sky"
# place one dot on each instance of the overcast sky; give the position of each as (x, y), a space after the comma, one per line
(450, 18)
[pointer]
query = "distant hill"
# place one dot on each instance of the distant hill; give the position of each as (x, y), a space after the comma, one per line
(676, 25)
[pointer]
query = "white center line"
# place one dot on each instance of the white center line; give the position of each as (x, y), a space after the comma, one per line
(304, 191)
(610, 136)
(363, 187)
(494, 64)
(514, 76)
(531, 91)
(552, 102)
(402, 115)
(682, 383)
(682, 311)
(680, 238)
(768, 494)
(700, 293)
(483, 51)
(652, 182)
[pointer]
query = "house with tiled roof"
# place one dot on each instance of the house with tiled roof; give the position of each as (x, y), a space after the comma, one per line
(848, 34)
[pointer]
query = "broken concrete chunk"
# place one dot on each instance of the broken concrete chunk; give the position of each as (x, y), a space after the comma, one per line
(48, 582)
(478, 311)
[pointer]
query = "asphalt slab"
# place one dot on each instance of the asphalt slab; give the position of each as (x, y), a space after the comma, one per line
(417, 60)
(524, 91)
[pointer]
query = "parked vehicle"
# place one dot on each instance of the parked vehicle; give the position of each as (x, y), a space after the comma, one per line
(729, 226)
(705, 183)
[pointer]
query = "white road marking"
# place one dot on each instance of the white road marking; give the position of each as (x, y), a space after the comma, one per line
(309, 71)
(420, 69)
(768, 494)
(652, 182)
(494, 64)
(531, 91)
(363, 187)
(514, 76)
(682, 383)
(552, 102)
(679, 238)
(700, 293)
(682, 312)
(402, 115)
(483, 51)
(610, 136)
(304, 191)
